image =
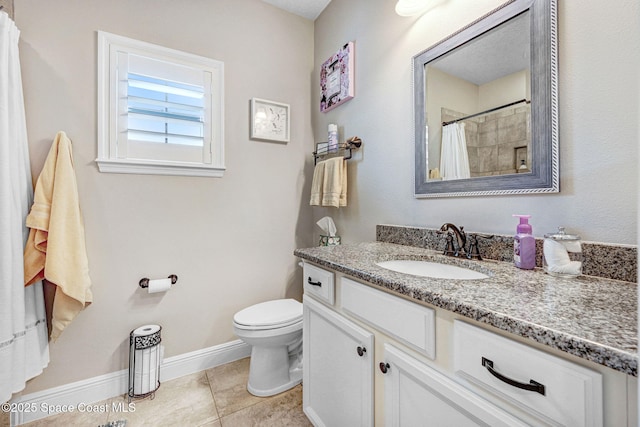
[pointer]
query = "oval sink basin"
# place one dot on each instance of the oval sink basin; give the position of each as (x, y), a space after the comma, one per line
(432, 269)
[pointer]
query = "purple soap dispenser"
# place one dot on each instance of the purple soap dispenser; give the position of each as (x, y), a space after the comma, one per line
(524, 244)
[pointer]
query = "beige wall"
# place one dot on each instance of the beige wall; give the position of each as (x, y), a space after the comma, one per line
(504, 90)
(598, 103)
(229, 240)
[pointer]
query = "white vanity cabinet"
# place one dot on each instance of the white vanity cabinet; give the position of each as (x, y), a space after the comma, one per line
(372, 357)
(411, 393)
(338, 369)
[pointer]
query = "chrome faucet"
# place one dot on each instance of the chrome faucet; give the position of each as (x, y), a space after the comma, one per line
(461, 239)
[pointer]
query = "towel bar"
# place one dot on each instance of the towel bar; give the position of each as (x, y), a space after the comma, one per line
(322, 149)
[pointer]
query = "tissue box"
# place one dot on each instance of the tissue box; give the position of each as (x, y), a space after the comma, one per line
(329, 240)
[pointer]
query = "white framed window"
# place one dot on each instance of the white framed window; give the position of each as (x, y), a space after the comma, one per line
(160, 110)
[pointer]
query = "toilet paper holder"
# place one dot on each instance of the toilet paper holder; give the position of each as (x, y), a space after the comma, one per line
(144, 282)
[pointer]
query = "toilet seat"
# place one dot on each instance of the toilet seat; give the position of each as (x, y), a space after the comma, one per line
(269, 315)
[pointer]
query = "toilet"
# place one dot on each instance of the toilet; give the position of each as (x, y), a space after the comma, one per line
(274, 331)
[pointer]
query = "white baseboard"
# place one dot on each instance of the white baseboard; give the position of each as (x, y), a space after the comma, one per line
(43, 403)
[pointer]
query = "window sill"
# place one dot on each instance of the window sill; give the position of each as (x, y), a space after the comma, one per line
(146, 167)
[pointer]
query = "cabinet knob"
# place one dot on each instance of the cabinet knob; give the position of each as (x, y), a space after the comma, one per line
(361, 351)
(384, 367)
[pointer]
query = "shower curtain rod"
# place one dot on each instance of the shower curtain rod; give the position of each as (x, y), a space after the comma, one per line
(485, 112)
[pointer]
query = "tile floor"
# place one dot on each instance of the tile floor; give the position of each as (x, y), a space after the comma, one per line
(216, 397)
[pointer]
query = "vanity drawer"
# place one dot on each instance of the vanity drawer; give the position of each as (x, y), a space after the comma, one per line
(410, 323)
(319, 283)
(550, 388)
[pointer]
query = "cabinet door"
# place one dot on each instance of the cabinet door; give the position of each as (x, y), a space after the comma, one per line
(417, 395)
(337, 369)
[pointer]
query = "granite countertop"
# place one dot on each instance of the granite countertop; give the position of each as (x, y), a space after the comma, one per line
(589, 317)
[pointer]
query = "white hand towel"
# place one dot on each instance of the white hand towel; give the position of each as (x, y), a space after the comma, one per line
(316, 184)
(343, 190)
(334, 187)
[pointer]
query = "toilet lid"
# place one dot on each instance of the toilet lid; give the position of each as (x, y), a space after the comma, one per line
(271, 313)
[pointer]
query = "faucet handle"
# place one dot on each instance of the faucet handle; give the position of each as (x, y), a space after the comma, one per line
(474, 251)
(449, 250)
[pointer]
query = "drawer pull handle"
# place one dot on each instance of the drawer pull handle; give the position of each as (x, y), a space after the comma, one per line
(532, 386)
(384, 367)
(312, 283)
(361, 351)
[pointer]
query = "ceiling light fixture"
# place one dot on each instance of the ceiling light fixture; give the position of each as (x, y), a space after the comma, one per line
(411, 7)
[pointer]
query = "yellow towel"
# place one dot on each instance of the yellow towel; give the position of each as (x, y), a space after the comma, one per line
(334, 185)
(56, 248)
(316, 184)
(343, 189)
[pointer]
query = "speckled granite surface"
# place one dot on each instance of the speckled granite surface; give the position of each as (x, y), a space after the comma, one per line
(590, 317)
(618, 262)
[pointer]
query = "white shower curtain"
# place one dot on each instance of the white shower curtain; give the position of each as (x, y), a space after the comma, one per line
(454, 159)
(24, 351)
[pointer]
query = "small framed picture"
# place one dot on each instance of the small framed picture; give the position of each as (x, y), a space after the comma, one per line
(336, 78)
(269, 120)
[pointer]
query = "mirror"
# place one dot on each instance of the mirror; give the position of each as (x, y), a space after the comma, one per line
(485, 106)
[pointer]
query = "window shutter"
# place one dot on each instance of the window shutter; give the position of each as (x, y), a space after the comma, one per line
(160, 110)
(165, 112)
